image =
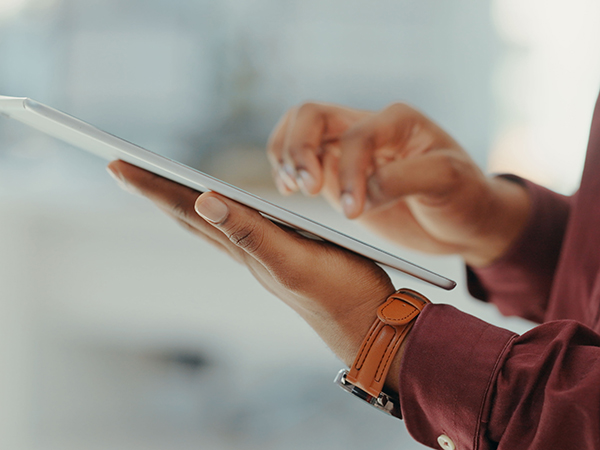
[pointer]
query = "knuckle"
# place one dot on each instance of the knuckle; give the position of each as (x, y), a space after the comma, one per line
(248, 237)
(398, 107)
(181, 210)
(308, 109)
(297, 151)
(351, 135)
(364, 140)
(402, 111)
(452, 170)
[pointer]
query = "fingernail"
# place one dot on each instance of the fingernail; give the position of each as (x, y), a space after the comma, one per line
(306, 182)
(286, 179)
(121, 182)
(348, 204)
(290, 171)
(211, 209)
(116, 176)
(281, 186)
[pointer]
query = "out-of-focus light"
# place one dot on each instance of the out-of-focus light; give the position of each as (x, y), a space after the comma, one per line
(515, 20)
(10, 8)
(546, 84)
(511, 153)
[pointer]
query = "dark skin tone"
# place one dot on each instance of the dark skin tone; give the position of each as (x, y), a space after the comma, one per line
(340, 307)
(395, 171)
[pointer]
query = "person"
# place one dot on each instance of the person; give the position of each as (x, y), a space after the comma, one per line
(462, 383)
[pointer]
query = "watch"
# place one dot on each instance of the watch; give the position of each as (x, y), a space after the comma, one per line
(366, 377)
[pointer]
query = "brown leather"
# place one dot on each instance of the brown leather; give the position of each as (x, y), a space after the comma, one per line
(395, 318)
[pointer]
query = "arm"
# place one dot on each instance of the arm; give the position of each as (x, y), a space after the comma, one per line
(335, 291)
(406, 179)
(486, 388)
(519, 282)
(400, 175)
(457, 375)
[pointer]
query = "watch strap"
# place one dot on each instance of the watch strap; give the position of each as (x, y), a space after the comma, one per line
(395, 318)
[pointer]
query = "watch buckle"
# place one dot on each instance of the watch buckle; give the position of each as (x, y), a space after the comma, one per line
(384, 402)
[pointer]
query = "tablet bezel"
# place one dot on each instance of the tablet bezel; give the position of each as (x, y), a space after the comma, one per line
(107, 146)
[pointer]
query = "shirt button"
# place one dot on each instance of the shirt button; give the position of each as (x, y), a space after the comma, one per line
(446, 443)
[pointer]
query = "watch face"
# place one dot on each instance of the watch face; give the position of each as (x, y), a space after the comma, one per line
(383, 402)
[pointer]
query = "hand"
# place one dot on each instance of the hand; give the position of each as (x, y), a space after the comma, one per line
(337, 292)
(400, 175)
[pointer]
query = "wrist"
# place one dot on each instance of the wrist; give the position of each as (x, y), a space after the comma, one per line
(506, 213)
(373, 376)
(355, 323)
(377, 362)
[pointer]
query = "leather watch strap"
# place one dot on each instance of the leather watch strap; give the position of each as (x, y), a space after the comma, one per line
(395, 318)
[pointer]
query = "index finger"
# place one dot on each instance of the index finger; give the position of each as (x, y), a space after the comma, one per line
(391, 126)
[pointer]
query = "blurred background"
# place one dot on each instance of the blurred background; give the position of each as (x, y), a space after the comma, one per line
(116, 329)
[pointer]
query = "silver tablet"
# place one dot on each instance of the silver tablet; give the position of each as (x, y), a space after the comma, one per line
(87, 137)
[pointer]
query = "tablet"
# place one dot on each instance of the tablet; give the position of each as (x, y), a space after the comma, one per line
(107, 146)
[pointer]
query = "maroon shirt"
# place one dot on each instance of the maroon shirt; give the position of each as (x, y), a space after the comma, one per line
(487, 388)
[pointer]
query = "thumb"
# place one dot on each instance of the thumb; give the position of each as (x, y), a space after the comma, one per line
(391, 126)
(243, 227)
(435, 173)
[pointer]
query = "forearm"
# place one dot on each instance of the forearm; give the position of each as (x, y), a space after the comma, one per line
(519, 281)
(504, 217)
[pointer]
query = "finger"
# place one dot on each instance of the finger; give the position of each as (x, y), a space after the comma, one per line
(359, 144)
(173, 198)
(303, 146)
(434, 174)
(331, 186)
(275, 146)
(282, 187)
(239, 230)
(205, 236)
(314, 128)
(246, 229)
(167, 194)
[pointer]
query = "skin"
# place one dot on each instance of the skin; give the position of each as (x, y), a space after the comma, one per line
(400, 175)
(340, 306)
(395, 171)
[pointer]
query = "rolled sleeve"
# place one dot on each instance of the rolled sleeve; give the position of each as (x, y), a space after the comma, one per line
(447, 372)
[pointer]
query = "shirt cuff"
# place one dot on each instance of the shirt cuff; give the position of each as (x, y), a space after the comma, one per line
(519, 282)
(447, 373)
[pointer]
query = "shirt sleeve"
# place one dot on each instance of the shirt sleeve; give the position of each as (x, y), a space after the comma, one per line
(482, 387)
(519, 282)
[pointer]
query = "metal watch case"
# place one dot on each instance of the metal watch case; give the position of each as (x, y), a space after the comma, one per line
(383, 402)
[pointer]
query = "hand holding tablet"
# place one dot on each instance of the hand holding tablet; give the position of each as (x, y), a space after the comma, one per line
(334, 282)
(109, 147)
